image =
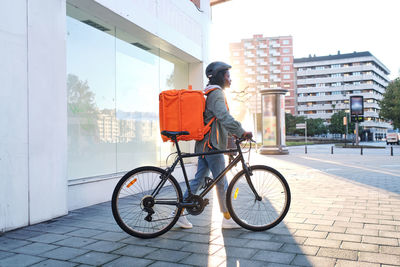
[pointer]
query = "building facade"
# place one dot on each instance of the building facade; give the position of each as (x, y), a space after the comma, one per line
(80, 85)
(325, 84)
(262, 63)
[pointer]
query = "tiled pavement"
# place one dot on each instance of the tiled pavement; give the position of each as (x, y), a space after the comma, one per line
(345, 212)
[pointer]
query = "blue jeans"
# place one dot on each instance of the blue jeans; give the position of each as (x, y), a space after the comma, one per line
(215, 163)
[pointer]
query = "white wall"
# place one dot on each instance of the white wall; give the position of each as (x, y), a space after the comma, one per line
(33, 186)
(13, 116)
(47, 109)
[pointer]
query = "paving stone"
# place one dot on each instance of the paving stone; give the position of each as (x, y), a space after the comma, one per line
(312, 261)
(4, 254)
(85, 233)
(230, 241)
(95, 258)
(348, 224)
(76, 242)
(167, 255)
(169, 244)
(344, 237)
(257, 235)
(51, 263)
(20, 260)
(347, 263)
(22, 234)
(200, 248)
(35, 248)
(9, 244)
(244, 262)
(390, 250)
(110, 236)
(389, 234)
(265, 245)
(322, 242)
(372, 232)
(203, 260)
(48, 238)
(379, 258)
(272, 256)
(134, 250)
(128, 262)
(104, 246)
(199, 238)
(167, 264)
(330, 229)
(359, 246)
(320, 222)
(289, 239)
(64, 253)
(337, 253)
(313, 234)
(301, 226)
(380, 240)
(380, 227)
(242, 252)
(299, 249)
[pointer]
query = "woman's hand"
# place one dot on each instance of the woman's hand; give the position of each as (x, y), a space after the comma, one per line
(247, 135)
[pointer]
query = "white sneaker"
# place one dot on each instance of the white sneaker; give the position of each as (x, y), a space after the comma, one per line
(229, 224)
(183, 222)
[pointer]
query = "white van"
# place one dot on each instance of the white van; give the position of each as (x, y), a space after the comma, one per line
(392, 137)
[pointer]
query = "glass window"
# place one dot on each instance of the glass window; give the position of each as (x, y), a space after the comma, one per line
(113, 83)
(286, 59)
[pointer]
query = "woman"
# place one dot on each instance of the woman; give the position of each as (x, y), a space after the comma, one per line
(216, 139)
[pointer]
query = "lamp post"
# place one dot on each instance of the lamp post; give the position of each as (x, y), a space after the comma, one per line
(273, 121)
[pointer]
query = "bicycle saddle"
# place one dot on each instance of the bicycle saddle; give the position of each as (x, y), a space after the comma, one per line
(171, 134)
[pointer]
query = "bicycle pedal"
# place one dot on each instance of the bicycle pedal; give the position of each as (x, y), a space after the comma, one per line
(206, 201)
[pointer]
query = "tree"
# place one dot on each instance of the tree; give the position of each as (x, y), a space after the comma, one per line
(316, 127)
(390, 103)
(337, 126)
(290, 124)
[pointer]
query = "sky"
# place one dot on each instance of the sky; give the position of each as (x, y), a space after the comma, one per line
(320, 27)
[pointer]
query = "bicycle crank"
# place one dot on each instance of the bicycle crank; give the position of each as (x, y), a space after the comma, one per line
(198, 204)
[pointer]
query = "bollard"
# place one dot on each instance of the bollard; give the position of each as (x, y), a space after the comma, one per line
(305, 149)
(391, 150)
(361, 151)
(331, 149)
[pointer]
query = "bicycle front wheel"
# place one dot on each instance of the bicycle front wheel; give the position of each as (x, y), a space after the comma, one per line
(253, 214)
(140, 213)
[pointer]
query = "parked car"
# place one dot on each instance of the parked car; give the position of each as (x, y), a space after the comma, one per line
(392, 137)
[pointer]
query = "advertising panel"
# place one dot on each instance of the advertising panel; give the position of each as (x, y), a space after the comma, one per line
(269, 120)
(357, 108)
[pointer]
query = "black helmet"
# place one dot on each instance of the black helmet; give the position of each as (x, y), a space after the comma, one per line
(216, 67)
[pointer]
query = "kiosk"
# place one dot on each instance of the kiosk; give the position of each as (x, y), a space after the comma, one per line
(273, 121)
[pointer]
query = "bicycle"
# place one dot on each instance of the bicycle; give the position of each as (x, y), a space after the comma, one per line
(147, 201)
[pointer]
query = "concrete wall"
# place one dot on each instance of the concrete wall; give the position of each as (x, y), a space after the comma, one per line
(33, 113)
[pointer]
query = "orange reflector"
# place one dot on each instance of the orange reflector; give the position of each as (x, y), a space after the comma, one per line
(236, 193)
(131, 183)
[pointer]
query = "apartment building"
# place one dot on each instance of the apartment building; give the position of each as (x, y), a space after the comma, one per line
(262, 63)
(325, 84)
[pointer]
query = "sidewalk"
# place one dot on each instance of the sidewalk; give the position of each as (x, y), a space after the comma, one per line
(345, 211)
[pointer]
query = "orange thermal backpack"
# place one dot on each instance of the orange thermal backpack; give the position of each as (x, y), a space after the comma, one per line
(182, 110)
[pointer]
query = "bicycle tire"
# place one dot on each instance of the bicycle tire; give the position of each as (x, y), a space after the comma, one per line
(257, 215)
(127, 202)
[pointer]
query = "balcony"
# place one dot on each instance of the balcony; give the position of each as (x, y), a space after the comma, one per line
(276, 71)
(276, 45)
(276, 63)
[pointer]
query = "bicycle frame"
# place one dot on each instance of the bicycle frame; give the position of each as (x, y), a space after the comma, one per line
(181, 156)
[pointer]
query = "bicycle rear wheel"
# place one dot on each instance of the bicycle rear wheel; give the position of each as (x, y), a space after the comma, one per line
(253, 214)
(140, 214)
